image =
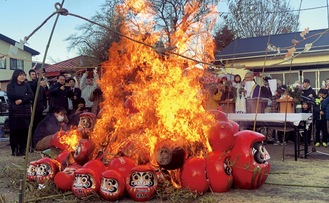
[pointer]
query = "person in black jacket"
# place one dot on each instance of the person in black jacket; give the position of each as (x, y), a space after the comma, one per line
(74, 94)
(20, 98)
(320, 120)
(41, 99)
(51, 124)
(58, 94)
(307, 91)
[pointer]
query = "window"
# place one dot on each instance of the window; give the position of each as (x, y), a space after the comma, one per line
(2, 63)
(278, 76)
(16, 64)
(291, 77)
(323, 75)
(287, 78)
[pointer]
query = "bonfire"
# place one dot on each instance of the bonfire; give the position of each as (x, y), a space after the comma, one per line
(153, 127)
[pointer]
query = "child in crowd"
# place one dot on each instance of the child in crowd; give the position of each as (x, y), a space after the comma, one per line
(320, 120)
(306, 108)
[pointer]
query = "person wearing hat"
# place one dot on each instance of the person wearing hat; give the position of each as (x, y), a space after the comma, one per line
(308, 92)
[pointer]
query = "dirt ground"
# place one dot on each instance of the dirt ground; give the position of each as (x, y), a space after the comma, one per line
(302, 181)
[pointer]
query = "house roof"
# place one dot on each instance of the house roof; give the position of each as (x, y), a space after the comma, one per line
(71, 65)
(12, 42)
(256, 46)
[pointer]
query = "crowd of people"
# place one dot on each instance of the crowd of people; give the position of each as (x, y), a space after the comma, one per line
(65, 99)
(317, 104)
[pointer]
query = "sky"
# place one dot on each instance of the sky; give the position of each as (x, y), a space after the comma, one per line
(316, 18)
(20, 17)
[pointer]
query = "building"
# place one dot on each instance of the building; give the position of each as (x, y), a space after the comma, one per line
(311, 57)
(73, 67)
(13, 55)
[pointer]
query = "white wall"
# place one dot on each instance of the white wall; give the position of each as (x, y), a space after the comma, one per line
(5, 74)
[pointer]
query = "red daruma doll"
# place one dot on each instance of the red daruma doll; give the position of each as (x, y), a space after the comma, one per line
(84, 151)
(112, 185)
(87, 179)
(249, 158)
(64, 179)
(141, 183)
(46, 170)
(32, 171)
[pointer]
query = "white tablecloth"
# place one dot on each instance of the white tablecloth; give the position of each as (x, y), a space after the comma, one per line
(294, 118)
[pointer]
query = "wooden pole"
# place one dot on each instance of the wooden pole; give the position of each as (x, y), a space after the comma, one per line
(22, 197)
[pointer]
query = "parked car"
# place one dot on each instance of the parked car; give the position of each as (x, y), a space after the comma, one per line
(3, 103)
(4, 120)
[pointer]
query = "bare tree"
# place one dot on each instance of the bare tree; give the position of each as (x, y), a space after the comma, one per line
(171, 14)
(94, 40)
(253, 18)
(247, 18)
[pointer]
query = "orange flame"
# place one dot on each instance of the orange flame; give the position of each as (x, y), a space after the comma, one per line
(70, 139)
(164, 88)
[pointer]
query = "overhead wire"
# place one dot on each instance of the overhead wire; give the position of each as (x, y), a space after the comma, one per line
(65, 12)
(62, 11)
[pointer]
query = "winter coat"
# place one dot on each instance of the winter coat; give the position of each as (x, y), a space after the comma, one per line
(265, 92)
(308, 92)
(48, 126)
(317, 108)
(325, 107)
(58, 97)
(74, 92)
(42, 98)
(87, 90)
(19, 115)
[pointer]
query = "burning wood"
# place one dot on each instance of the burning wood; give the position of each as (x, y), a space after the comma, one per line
(168, 124)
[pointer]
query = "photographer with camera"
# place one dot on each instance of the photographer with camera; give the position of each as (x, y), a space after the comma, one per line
(58, 94)
(74, 115)
(88, 84)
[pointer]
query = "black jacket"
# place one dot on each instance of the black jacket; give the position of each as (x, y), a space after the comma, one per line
(74, 92)
(47, 126)
(58, 97)
(42, 98)
(19, 115)
(309, 92)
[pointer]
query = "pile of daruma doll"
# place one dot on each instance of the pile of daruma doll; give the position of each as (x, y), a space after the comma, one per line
(238, 159)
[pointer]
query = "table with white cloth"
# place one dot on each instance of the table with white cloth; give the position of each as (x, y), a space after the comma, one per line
(278, 121)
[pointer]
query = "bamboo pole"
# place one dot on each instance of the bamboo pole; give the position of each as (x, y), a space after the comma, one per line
(22, 199)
